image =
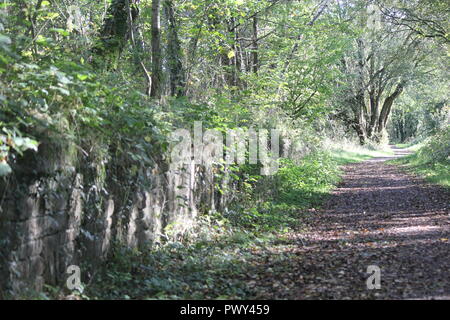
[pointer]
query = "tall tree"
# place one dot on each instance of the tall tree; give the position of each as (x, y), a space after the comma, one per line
(156, 87)
(255, 58)
(427, 18)
(376, 70)
(174, 53)
(115, 31)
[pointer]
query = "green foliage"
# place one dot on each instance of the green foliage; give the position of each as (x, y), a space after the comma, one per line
(226, 248)
(71, 76)
(437, 149)
(214, 262)
(11, 140)
(61, 99)
(423, 109)
(347, 156)
(207, 270)
(315, 174)
(294, 188)
(432, 160)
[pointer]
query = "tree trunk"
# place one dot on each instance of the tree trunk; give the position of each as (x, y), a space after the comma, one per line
(174, 55)
(236, 61)
(229, 62)
(138, 47)
(360, 132)
(115, 32)
(402, 130)
(387, 107)
(255, 57)
(373, 113)
(156, 50)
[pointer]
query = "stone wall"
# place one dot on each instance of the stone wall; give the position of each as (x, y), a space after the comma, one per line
(55, 213)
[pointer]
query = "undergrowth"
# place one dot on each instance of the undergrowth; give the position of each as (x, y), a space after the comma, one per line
(227, 248)
(432, 159)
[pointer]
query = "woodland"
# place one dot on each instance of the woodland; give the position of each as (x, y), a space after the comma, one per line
(93, 91)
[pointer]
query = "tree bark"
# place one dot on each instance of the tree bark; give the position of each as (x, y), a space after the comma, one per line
(115, 33)
(387, 107)
(174, 55)
(138, 47)
(156, 51)
(374, 112)
(255, 58)
(236, 61)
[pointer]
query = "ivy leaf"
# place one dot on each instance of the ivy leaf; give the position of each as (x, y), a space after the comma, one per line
(62, 32)
(30, 144)
(41, 40)
(82, 77)
(5, 169)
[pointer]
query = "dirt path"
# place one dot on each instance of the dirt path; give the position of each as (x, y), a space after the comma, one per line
(378, 216)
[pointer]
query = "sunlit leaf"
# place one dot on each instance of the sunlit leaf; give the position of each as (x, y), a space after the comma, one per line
(5, 169)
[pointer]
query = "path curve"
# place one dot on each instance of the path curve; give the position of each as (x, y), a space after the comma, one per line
(382, 216)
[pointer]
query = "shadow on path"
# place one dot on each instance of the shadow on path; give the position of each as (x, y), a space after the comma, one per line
(379, 216)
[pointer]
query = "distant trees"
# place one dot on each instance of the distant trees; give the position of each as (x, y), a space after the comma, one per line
(424, 107)
(350, 60)
(427, 18)
(121, 26)
(376, 69)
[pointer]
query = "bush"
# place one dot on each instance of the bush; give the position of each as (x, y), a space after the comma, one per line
(437, 148)
(315, 173)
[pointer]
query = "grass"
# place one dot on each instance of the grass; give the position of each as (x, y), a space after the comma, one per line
(431, 159)
(410, 146)
(437, 172)
(351, 154)
(228, 248)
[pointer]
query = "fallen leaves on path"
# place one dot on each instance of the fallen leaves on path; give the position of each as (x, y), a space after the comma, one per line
(377, 216)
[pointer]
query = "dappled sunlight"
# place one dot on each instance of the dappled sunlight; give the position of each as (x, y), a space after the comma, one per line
(386, 218)
(415, 230)
(205, 149)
